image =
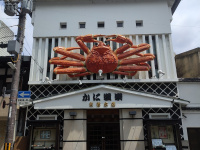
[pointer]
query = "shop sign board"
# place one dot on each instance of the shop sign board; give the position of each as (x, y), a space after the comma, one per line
(95, 99)
(103, 97)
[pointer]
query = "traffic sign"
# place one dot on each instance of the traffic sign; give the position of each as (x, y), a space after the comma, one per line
(24, 94)
(24, 102)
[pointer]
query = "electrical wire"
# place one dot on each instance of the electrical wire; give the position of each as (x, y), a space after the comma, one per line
(41, 69)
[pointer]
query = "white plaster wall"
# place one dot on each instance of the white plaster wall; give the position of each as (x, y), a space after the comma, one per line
(156, 16)
(190, 91)
(131, 128)
(192, 120)
(74, 130)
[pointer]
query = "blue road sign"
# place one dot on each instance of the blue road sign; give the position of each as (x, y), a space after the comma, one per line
(24, 94)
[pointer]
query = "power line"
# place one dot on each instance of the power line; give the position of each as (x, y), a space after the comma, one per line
(36, 62)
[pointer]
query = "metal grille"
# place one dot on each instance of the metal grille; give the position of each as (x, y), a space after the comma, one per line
(41, 91)
(103, 136)
(175, 113)
(103, 132)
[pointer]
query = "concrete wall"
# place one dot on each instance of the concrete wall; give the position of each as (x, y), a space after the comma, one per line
(131, 128)
(74, 130)
(187, 64)
(156, 16)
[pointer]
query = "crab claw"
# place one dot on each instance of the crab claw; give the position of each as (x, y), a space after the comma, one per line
(98, 35)
(88, 38)
(119, 39)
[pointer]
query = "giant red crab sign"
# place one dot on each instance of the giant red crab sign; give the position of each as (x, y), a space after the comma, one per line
(101, 58)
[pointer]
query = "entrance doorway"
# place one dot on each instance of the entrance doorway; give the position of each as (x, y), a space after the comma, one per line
(103, 130)
(193, 137)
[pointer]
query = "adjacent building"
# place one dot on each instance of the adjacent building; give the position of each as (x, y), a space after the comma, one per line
(5, 77)
(188, 64)
(6, 74)
(108, 112)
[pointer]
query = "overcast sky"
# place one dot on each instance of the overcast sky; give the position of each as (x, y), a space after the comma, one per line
(185, 26)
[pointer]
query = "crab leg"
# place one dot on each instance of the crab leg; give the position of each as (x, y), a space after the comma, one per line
(125, 73)
(134, 51)
(122, 49)
(133, 68)
(79, 74)
(69, 49)
(144, 64)
(63, 70)
(120, 39)
(135, 60)
(66, 62)
(64, 51)
(87, 38)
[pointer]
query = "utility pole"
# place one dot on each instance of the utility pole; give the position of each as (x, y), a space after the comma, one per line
(10, 133)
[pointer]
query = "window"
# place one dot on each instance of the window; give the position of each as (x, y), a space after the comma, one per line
(120, 24)
(139, 23)
(100, 24)
(81, 24)
(63, 25)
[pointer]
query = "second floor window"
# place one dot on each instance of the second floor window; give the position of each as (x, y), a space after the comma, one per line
(82, 24)
(100, 24)
(120, 24)
(139, 23)
(63, 25)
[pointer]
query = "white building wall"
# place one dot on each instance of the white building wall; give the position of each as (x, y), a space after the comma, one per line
(190, 91)
(156, 16)
(190, 118)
